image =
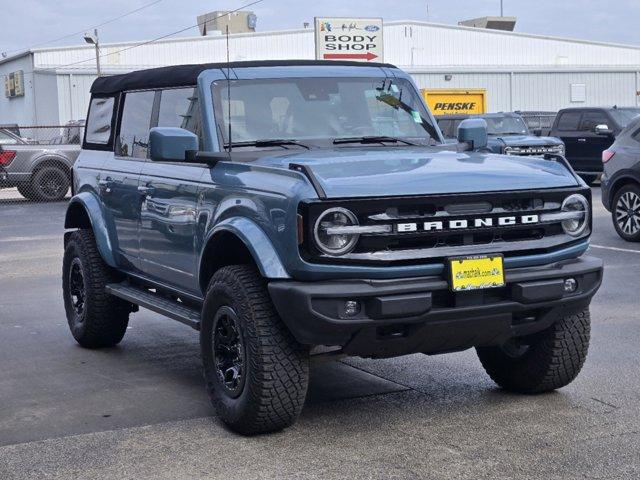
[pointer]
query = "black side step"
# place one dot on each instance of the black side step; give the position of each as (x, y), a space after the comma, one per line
(157, 303)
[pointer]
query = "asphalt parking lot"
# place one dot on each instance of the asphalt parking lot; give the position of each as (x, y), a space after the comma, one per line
(140, 410)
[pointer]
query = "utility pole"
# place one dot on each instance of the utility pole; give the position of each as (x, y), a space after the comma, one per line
(93, 39)
(501, 9)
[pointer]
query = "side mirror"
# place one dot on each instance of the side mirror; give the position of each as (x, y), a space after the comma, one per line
(474, 132)
(603, 130)
(170, 144)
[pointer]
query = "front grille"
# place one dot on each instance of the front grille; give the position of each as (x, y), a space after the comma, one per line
(534, 150)
(421, 228)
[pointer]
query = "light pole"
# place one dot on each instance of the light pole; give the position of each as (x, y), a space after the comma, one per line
(501, 9)
(93, 39)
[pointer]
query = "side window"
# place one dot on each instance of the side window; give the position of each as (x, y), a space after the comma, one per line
(133, 140)
(179, 107)
(99, 121)
(636, 135)
(7, 139)
(591, 119)
(569, 121)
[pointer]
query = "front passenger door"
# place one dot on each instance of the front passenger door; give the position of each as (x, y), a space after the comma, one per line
(169, 209)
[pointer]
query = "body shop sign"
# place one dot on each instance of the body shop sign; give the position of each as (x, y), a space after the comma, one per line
(358, 39)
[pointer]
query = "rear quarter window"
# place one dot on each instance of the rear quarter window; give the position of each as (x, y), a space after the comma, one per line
(99, 122)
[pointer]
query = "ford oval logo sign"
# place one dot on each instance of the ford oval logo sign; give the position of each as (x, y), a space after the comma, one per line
(372, 28)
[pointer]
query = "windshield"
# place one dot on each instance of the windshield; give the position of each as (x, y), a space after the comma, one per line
(506, 125)
(317, 111)
(623, 116)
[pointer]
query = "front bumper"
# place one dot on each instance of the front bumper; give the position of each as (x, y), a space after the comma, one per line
(401, 316)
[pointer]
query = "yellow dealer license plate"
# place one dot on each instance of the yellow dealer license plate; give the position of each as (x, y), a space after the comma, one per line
(478, 272)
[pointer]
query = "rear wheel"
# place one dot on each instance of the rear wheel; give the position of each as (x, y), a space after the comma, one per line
(256, 373)
(26, 191)
(96, 319)
(626, 213)
(543, 362)
(49, 184)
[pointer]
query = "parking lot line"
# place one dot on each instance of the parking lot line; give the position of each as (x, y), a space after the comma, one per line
(615, 249)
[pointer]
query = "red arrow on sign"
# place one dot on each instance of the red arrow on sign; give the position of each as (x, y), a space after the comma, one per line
(350, 56)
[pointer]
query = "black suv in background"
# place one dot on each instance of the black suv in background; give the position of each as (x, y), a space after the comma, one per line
(587, 132)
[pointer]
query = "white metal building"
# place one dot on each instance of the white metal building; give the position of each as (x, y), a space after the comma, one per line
(519, 71)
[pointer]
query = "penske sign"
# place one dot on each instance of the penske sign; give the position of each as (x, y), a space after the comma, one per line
(355, 39)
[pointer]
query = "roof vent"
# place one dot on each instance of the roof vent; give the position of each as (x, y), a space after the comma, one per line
(507, 24)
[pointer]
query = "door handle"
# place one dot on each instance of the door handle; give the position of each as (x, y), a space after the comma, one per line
(105, 184)
(582, 140)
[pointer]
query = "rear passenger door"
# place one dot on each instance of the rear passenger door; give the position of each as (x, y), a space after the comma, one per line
(169, 209)
(119, 178)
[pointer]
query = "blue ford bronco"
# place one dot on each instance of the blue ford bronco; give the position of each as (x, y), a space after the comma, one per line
(508, 133)
(300, 210)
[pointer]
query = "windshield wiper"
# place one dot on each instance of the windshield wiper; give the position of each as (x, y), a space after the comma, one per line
(268, 142)
(372, 139)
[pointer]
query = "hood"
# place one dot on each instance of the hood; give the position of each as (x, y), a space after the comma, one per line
(527, 140)
(378, 172)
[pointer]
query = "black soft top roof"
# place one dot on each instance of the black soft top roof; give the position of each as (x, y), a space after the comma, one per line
(186, 75)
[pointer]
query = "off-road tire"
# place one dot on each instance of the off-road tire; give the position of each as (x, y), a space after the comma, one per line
(552, 360)
(631, 193)
(276, 376)
(50, 183)
(104, 318)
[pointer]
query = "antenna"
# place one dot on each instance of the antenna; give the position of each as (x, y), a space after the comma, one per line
(229, 92)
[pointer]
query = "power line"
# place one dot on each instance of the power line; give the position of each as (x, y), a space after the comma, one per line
(107, 22)
(147, 42)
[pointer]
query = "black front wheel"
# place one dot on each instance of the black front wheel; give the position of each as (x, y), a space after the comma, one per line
(542, 362)
(256, 373)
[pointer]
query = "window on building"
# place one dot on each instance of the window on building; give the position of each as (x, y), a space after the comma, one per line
(179, 107)
(133, 140)
(591, 119)
(569, 121)
(99, 121)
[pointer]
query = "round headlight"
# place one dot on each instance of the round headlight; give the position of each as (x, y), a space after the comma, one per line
(332, 234)
(577, 209)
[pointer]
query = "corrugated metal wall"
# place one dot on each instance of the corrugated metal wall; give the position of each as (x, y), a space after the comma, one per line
(406, 44)
(73, 96)
(496, 84)
(549, 90)
(519, 72)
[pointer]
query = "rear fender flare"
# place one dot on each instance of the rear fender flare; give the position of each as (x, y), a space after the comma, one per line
(87, 203)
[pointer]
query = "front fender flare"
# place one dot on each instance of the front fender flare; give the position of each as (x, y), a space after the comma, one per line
(89, 202)
(257, 242)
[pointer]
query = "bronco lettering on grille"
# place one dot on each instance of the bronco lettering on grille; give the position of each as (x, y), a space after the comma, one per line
(440, 225)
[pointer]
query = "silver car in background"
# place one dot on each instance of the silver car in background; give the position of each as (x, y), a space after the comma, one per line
(40, 168)
(621, 181)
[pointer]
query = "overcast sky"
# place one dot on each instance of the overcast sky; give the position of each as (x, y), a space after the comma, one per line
(29, 22)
